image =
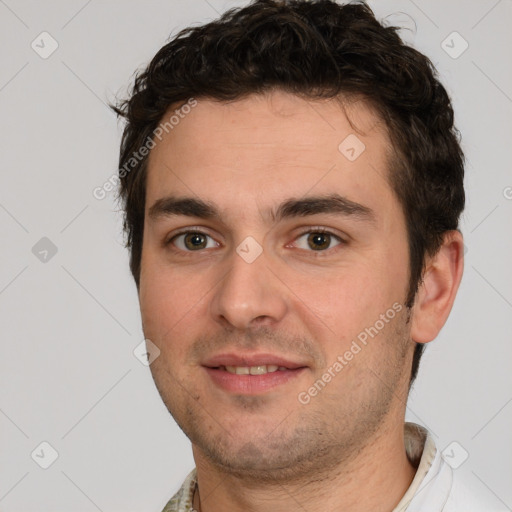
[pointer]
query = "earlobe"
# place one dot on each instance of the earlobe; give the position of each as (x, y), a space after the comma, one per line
(436, 294)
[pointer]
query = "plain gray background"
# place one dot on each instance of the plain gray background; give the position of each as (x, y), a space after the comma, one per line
(70, 322)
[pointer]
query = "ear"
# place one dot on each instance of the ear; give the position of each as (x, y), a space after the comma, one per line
(436, 294)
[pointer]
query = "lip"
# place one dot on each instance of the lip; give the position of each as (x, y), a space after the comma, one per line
(231, 359)
(251, 384)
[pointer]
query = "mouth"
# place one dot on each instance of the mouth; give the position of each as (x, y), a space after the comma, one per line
(251, 374)
(253, 370)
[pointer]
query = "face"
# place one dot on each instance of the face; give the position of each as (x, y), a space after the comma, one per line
(274, 272)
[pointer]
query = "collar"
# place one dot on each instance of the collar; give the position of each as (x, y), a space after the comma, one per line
(421, 452)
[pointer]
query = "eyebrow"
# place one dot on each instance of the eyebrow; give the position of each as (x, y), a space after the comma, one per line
(330, 204)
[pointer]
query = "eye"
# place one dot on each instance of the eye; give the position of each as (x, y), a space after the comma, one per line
(317, 240)
(193, 241)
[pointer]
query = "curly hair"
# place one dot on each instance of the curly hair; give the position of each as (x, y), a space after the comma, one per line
(315, 49)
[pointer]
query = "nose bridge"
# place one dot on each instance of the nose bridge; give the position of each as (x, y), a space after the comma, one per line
(249, 290)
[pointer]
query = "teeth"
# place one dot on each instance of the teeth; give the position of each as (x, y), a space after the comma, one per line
(254, 370)
(258, 370)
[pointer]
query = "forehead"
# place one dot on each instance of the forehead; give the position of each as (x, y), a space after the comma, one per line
(266, 148)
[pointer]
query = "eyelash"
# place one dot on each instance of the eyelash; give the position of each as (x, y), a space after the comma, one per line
(322, 231)
(309, 230)
(187, 231)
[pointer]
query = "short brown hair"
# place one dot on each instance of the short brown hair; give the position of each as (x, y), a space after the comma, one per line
(316, 49)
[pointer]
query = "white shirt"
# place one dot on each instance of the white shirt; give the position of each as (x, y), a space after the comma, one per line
(436, 487)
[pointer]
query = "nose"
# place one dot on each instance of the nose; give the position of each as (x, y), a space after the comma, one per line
(250, 295)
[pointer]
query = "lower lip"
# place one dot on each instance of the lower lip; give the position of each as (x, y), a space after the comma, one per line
(251, 384)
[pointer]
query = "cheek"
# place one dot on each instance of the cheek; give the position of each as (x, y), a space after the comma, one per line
(345, 307)
(344, 297)
(164, 298)
(173, 302)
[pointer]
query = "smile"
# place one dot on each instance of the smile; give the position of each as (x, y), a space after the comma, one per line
(253, 370)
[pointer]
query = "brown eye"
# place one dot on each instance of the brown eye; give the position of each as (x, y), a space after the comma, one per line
(193, 241)
(317, 241)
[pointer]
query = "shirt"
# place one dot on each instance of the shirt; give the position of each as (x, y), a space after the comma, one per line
(436, 487)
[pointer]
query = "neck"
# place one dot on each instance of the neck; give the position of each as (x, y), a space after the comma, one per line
(376, 479)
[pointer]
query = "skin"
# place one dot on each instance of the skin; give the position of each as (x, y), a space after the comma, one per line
(344, 450)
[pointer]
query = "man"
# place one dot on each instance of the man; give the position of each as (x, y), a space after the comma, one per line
(292, 183)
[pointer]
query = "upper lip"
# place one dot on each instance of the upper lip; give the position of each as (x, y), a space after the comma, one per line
(232, 359)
